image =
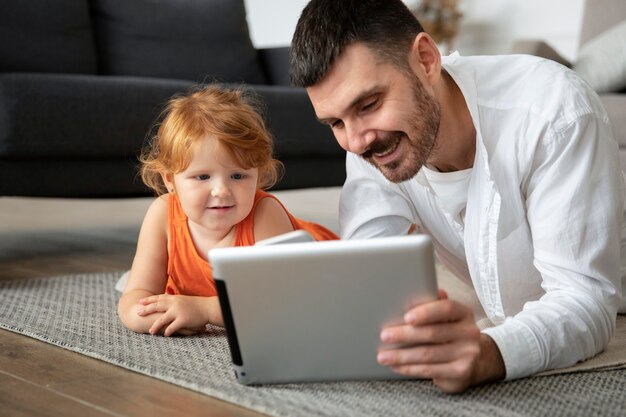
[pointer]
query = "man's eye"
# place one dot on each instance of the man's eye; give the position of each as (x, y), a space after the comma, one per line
(202, 177)
(337, 124)
(369, 105)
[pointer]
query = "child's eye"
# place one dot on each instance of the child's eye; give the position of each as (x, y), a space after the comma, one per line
(202, 177)
(237, 176)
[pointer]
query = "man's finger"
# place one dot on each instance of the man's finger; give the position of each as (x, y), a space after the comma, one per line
(454, 377)
(440, 311)
(406, 334)
(428, 354)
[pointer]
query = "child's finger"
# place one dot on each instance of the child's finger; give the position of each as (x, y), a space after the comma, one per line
(172, 328)
(152, 299)
(159, 323)
(157, 306)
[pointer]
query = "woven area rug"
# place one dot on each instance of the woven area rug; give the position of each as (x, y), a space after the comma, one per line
(78, 312)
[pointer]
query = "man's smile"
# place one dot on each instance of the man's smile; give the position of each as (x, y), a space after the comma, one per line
(384, 151)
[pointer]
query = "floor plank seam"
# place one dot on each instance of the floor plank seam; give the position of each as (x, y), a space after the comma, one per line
(61, 394)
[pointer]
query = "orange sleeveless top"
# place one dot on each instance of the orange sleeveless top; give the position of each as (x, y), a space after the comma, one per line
(188, 273)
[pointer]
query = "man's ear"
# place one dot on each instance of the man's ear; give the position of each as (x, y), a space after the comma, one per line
(425, 59)
(168, 180)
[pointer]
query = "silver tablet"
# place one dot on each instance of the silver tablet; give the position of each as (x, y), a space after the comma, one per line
(290, 237)
(313, 311)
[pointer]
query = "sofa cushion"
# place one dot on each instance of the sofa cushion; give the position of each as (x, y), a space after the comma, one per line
(197, 40)
(75, 116)
(615, 104)
(46, 36)
(60, 116)
(602, 62)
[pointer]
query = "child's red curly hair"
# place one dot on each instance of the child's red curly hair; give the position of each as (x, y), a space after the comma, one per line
(229, 115)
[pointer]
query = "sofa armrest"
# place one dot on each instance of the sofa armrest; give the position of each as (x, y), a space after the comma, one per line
(538, 48)
(275, 64)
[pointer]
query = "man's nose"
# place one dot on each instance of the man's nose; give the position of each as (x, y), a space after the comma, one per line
(358, 138)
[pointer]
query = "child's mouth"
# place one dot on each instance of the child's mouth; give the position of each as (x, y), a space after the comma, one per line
(220, 208)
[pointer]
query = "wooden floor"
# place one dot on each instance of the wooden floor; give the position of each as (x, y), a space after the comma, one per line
(47, 237)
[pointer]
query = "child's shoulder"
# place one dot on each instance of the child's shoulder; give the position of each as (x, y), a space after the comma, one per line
(271, 218)
(158, 208)
(267, 204)
(160, 202)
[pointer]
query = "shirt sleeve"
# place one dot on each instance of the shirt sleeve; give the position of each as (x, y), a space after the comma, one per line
(370, 206)
(575, 209)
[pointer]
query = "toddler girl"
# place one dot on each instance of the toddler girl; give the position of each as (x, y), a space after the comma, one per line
(208, 164)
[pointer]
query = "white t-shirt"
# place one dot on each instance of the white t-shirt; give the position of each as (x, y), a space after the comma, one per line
(544, 220)
(451, 191)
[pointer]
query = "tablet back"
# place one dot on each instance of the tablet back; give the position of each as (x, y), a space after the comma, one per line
(313, 311)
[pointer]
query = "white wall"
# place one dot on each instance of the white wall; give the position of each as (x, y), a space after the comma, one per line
(491, 26)
(272, 22)
(488, 26)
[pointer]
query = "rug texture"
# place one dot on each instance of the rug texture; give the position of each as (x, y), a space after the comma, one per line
(78, 312)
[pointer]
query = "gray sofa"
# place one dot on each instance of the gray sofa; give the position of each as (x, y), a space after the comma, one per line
(83, 81)
(601, 59)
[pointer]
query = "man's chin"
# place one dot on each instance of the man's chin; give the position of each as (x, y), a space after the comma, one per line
(396, 173)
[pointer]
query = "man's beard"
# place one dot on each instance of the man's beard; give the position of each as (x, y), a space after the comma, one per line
(424, 125)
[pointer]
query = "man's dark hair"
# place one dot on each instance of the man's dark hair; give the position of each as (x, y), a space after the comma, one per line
(326, 27)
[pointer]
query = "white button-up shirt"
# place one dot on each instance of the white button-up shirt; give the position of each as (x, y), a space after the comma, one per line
(544, 222)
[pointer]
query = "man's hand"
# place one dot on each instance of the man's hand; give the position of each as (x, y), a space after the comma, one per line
(439, 340)
(180, 313)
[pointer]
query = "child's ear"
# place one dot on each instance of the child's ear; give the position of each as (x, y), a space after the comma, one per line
(168, 180)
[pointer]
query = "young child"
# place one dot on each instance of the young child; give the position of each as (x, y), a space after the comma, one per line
(208, 163)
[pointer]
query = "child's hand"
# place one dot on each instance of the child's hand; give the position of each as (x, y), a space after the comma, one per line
(180, 313)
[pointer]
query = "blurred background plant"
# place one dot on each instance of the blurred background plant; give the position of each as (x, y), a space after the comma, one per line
(441, 19)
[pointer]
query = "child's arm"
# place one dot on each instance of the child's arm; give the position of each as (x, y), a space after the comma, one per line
(143, 307)
(270, 219)
(189, 313)
(183, 314)
(148, 274)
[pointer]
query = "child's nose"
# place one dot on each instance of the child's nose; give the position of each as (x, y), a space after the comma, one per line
(220, 189)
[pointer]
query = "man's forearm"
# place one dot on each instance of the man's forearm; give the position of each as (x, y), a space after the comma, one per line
(490, 366)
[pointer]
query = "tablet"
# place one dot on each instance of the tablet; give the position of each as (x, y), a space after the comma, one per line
(313, 311)
(289, 237)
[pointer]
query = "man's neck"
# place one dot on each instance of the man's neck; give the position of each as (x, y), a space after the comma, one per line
(456, 140)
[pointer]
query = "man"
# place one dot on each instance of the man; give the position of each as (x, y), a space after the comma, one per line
(509, 163)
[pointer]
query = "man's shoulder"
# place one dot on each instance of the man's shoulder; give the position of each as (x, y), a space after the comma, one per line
(512, 76)
(524, 84)
(503, 65)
